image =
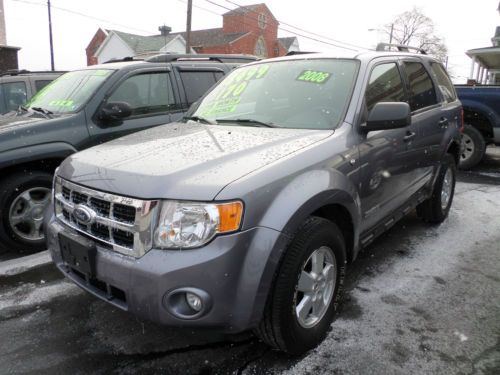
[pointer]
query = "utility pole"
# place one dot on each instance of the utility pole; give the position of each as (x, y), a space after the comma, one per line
(188, 25)
(392, 30)
(50, 38)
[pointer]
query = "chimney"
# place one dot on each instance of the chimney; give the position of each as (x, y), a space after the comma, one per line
(3, 37)
(164, 30)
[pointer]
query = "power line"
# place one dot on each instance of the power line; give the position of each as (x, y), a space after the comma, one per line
(300, 29)
(292, 32)
(82, 15)
(202, 8)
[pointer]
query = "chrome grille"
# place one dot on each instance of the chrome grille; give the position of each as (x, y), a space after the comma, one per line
(126, 224)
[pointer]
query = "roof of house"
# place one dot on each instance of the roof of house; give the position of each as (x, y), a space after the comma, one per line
(141, 43)
(211, 37)
(208, 37)
(287, 42)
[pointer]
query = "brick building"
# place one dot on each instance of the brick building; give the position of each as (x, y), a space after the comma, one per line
(251, 29)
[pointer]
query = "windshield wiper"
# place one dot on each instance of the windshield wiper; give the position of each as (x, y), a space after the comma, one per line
(200, 119)
(46, 112)
(249, 121)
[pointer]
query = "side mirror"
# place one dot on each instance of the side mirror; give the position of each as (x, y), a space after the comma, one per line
(114, 111)
(388, 115)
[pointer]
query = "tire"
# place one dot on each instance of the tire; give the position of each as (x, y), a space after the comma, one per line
(435, 209)
(280, 326)
(473, 147)
(23, 199)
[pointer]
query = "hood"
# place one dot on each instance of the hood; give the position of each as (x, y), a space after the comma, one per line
(187, 161)
(16, 120)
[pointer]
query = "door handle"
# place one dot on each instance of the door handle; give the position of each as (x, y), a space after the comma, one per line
(443, 122)
(409, 136)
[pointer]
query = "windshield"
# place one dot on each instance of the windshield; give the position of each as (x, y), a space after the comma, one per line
(69, 92)
(307, 94)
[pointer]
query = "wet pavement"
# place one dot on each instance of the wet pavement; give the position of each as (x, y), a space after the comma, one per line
(421, 299)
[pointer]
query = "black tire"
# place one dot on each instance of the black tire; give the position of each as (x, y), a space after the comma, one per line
(432, 210)
(473, 147)
(280, 327)
(12, 187)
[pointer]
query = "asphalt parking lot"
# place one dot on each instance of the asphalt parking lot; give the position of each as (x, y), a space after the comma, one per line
(420, 300)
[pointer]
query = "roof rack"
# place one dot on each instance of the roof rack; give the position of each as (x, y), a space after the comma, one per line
(293, 53)
(400, 47)
(126, 58)
(223, 58)
(16, 72)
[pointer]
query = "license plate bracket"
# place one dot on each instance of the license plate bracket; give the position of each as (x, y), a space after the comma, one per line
(77, 255)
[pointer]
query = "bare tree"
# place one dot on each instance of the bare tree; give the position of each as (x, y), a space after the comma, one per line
(413, 28)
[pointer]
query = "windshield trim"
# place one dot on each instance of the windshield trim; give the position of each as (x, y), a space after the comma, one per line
(84, 103)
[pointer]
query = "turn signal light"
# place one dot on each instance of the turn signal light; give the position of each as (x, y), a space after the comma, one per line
(229, 216)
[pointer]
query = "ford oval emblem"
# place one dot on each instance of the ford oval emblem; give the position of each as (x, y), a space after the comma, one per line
(84, 215)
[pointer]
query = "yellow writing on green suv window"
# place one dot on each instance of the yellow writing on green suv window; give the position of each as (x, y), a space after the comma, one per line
(61, 103)
(313, 76)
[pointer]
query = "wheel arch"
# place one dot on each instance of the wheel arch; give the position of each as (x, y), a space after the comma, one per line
(480, 117)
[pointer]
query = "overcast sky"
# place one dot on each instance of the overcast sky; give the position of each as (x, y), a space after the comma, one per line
(462, 24)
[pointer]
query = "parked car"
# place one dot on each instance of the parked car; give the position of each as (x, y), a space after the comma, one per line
(18, 86)
(245, 215)
(84, 108)
(482, 121)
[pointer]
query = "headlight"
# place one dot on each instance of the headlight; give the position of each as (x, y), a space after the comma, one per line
(191, 224)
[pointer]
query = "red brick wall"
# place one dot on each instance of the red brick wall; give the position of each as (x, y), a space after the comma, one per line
(93, 46)
(248, 22)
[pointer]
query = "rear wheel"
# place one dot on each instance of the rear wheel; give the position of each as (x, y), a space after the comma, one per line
(473, 147)
(435, 209)
(23, 199)
(307, 289)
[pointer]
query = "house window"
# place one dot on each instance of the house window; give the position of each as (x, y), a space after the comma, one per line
(260, 48)
(262, 20)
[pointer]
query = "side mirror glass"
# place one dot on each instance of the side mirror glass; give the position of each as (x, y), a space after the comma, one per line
(388, 115)
(114, 111)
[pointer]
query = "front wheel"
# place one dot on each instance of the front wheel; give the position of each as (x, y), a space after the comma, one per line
(435, 209)
(23, 199)
(307, 289)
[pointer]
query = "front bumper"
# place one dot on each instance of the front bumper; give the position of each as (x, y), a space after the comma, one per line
(230, 269)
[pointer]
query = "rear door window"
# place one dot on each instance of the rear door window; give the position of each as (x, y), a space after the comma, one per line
(197, 83)
(385, 85)
(422, 91)
(444, 82)
(13, 95)
(146, 93)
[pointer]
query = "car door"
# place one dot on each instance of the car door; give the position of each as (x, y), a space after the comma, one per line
(387, 156)
(427, 117)
(449, 110)
(153, 101)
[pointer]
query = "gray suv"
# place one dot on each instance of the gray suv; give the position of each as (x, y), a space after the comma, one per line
(245, 214)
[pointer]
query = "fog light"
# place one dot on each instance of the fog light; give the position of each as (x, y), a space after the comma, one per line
(194, 301)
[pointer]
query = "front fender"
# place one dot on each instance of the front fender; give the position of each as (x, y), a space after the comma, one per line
(53, 150)
(301, 197)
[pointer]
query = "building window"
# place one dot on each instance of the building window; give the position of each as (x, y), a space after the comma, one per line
(260, 48)
(262, 19)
